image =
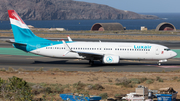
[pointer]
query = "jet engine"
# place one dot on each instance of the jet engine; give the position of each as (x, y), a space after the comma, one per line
(111, 59)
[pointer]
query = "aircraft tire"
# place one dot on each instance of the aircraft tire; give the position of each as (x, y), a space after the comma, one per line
(91, 62)
(159, 64)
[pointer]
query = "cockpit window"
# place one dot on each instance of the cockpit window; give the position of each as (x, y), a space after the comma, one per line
(167, 49)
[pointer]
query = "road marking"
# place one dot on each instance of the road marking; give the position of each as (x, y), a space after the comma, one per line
(14, 51)
(174, 59)
(5, 55)
(169, 66)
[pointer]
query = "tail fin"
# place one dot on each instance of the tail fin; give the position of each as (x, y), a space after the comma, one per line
(22, 33)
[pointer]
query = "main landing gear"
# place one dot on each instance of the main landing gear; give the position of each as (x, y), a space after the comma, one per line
(91, 62)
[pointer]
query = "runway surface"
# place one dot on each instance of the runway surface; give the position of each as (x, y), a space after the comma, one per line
(35, 63)
(31, 62)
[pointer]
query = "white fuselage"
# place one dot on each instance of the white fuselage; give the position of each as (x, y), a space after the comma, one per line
(136, 51)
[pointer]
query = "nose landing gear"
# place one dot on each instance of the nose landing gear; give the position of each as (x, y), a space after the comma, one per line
(159, 64)
(160, 61)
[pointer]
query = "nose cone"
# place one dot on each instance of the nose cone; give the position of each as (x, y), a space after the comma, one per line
(173, 54)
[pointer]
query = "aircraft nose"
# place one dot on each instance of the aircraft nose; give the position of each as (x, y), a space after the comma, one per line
(173, 54)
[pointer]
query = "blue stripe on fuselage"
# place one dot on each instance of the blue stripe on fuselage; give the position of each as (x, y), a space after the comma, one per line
(37, 45)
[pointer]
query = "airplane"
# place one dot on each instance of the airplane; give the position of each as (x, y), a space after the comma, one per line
(106, 52)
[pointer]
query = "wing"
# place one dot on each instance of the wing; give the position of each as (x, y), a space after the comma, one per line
(86, 55)
(89, 55)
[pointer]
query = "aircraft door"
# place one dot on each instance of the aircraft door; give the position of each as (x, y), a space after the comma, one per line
(157, 51)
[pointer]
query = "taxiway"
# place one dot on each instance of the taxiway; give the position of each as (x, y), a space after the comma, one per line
(38, 62)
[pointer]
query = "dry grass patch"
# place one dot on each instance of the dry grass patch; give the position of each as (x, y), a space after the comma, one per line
(95, 83)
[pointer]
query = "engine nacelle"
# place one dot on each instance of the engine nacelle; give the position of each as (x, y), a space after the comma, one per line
(111, 59)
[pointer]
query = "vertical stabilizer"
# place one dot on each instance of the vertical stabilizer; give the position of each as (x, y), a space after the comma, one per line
(22, 33)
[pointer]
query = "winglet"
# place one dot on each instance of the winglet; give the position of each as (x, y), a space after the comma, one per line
(69, 38)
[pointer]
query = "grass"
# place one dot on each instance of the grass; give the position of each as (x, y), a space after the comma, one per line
(129, 83)
(159, 79)
(117, 95)
(79, 85)
(125, 82)
(3, 69)
(97, 87)
(103, 95)
(149, 81)
(135, 81)
(55, 70)
(10, 69)
(47, 91)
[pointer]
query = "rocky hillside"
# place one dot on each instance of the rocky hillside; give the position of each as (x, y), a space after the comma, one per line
(64, 9)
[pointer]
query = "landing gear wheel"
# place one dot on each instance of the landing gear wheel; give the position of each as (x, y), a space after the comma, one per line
(159, 64)
(91, 62)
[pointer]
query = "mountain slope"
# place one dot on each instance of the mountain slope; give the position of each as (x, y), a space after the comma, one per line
(64, 9)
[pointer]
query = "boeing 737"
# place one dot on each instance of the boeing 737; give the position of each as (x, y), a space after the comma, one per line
(106, 52)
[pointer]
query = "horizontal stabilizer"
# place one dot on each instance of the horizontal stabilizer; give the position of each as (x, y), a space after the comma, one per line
(12, 41)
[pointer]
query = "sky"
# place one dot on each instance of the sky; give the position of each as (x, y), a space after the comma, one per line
(142, 6)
